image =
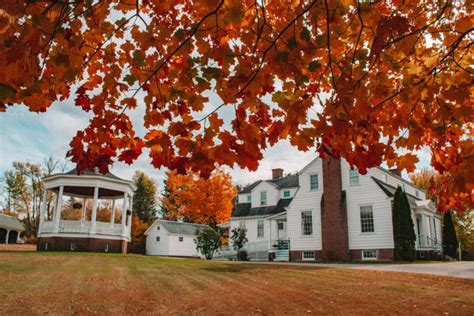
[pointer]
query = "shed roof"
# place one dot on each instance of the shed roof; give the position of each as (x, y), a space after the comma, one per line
(10, 222)
(245, 209)
(174, 227)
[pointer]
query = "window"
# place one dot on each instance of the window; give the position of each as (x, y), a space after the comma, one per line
(314, 182)
(263, 198)
(181, 239)
(367, 219)
(384, 178)
(369, 254)
(249, 198)
(260, 228)
(403, 187)
(306, 223)
(417, 194)
(158, 227)
(280, 226)
(353, 177)
(157, 238)
(286, 194)
(308, 255)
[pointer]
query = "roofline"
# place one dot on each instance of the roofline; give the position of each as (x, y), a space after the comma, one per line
(400, 178)
(165, 220)
(278, 214)
(391, 186)
(98, 176)
(307, 165)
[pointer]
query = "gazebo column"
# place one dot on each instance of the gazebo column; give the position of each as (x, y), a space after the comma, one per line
(112, 216)
(131, 216)
(124, 214)
(83, 214)
(94, 210)
(43, 210)
(57, 209)
(7, 236)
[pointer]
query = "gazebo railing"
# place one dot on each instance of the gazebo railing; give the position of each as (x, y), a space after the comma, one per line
(78, 227)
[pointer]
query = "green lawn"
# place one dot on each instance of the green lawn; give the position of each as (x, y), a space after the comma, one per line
(71, 283)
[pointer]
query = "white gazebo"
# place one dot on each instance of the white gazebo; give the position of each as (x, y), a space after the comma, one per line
(87, 212)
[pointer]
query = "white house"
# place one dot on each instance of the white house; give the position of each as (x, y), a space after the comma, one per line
(173, 239)
(10, 229)
(328, 211)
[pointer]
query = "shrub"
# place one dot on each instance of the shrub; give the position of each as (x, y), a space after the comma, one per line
(208, 241)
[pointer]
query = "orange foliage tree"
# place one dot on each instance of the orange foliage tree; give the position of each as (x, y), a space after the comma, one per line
(370, 81)
(199, 200)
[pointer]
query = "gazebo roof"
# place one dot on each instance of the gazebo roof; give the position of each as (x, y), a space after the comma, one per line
(93, 173)
(83, 185)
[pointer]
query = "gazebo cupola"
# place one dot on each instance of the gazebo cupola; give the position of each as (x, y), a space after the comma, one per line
(87, 212)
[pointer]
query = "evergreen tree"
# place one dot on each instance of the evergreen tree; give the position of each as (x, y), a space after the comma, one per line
(450, 240)
(403, 228)
(144, 199)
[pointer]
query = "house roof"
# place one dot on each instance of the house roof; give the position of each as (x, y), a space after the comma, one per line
(246, 209)
(10, 222)
(289, 181)
(390, 191)
(181, 228)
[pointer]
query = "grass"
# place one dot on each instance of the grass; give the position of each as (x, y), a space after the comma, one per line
(84, 283)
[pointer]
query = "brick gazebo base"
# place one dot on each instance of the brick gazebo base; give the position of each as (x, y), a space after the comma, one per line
(81, 244)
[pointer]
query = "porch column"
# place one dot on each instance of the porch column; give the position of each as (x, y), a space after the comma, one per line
(124, 213)
(43, 210)
(83, 214)
(57, 209)
(7, 236)
(270, 235)
(112, 216)
(94, 210)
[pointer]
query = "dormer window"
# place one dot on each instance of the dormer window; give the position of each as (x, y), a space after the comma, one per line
(417, 193)
(263, 198)
(353, 177)
(286, 194)
(249, 198)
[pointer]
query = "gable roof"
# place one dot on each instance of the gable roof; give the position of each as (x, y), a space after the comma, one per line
(246, 209)
(181, 228)
(390, 190)
(289, 181)
(11, 222)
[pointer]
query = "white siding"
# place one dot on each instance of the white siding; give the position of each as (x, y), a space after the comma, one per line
(157, 248)
(251, 225)
(367, 193)
(306, 200)
(186, 248)
(272, 194)
(243, 198)
(394, 181)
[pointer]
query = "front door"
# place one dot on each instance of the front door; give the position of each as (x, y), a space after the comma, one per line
(281, 226)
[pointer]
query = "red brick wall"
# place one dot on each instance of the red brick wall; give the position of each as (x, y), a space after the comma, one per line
(382, 254)
(80, 244)
(335, 240)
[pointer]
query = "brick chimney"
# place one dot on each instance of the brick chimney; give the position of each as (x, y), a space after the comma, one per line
(277, 173)
(396, 172)
(335, 240)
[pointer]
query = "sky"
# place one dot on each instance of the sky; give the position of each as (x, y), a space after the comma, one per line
(26, 136)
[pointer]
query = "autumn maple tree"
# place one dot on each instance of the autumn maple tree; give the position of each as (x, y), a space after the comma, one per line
(199, 200)
(370, 81)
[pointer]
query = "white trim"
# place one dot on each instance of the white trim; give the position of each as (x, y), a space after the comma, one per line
(369, 258)
(308, 259)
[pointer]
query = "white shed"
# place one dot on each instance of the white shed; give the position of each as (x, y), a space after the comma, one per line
(173, 239)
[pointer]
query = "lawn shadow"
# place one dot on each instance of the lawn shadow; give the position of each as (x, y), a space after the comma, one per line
(243, 267)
